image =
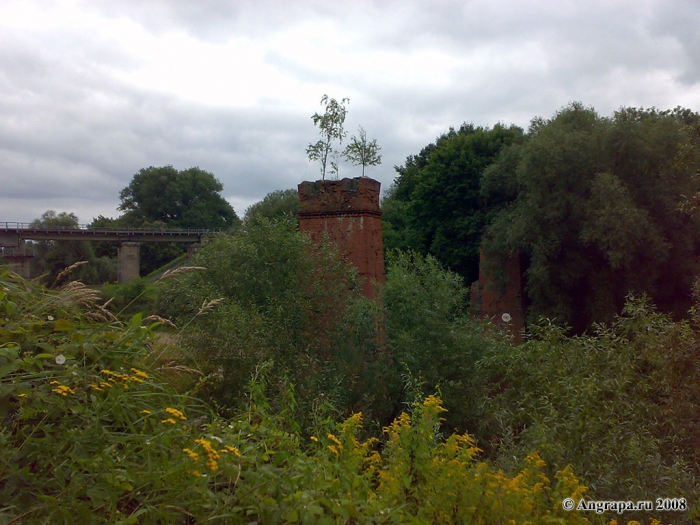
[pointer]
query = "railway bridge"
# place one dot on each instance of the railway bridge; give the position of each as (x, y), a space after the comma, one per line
(14, 234)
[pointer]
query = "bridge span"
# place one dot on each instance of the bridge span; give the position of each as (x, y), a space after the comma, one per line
(14, 234)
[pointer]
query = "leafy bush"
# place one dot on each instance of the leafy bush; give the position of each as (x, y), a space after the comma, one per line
(429, 336)
(620, 405)
(278, 297)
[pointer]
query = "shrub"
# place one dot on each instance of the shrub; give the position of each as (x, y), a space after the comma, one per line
(283, 298)
(619, 405)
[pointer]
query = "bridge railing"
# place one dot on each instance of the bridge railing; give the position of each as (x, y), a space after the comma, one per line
(18, 226)
(17, 251)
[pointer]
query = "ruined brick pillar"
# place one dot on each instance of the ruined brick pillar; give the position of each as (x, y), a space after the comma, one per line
(499, 299)
(347, 211)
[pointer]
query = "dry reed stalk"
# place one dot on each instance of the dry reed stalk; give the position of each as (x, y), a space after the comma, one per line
(170, 274)
(161, 320)
(67, 271)
(77, 293)
(209, 306)
(179, 369)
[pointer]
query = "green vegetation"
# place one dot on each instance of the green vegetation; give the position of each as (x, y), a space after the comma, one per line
(92, 432)
(435, 205)
(155, 198)
(594, 205)
(53, 257)
(279, 204)
(360, 151)
(259, 385)
(598, 207)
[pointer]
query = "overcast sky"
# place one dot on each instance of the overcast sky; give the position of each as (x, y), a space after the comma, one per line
(92, 91)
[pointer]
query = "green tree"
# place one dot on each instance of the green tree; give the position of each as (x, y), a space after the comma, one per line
(330, 127)
(279, 204)
(189, 198)
(167, 198)
(446, 214)
(361, 152)
(593, 204)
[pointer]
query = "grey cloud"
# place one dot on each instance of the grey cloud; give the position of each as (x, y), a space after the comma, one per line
(71, 136)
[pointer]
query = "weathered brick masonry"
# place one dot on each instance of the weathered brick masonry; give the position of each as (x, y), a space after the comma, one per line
(348, 212)
(504, 306)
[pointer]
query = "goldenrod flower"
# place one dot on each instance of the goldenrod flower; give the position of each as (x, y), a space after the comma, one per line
(212, 454)
(193, 455)
(139, 373)
(64, 390)
(176, 413)
(235, 451)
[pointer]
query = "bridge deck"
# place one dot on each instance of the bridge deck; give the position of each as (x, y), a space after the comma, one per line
(12, 233)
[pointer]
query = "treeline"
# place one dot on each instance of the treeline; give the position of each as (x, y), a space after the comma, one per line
(598, 207)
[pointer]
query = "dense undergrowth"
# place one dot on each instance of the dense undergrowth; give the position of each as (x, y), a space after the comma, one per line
(285, 396)
(91, 435)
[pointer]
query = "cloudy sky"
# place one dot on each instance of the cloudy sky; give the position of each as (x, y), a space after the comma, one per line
(93, 90)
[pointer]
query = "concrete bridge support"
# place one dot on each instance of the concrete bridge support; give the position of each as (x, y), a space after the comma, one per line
(128, 262)
(18, 258)
(19, 263)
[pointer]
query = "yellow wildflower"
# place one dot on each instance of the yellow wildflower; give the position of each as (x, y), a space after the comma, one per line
(196, 473)
(235, 451)
(193, 455)
(54, 382)
(176, 413)
(169, 420)
(145, 412)
(139, 373)
(212, 454)
(314, 439)
(95, 387)
(64, 390)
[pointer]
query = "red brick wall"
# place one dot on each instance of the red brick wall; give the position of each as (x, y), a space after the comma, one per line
(490, 301)
(348, 212)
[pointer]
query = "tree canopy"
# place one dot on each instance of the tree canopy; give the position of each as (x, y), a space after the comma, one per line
(594, 204)
(168, 198)
(439, 191)
(189, 198)
(279, 204)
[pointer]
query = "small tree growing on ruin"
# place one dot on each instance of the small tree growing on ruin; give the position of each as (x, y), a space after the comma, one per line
(330, 127)
(361, 152)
